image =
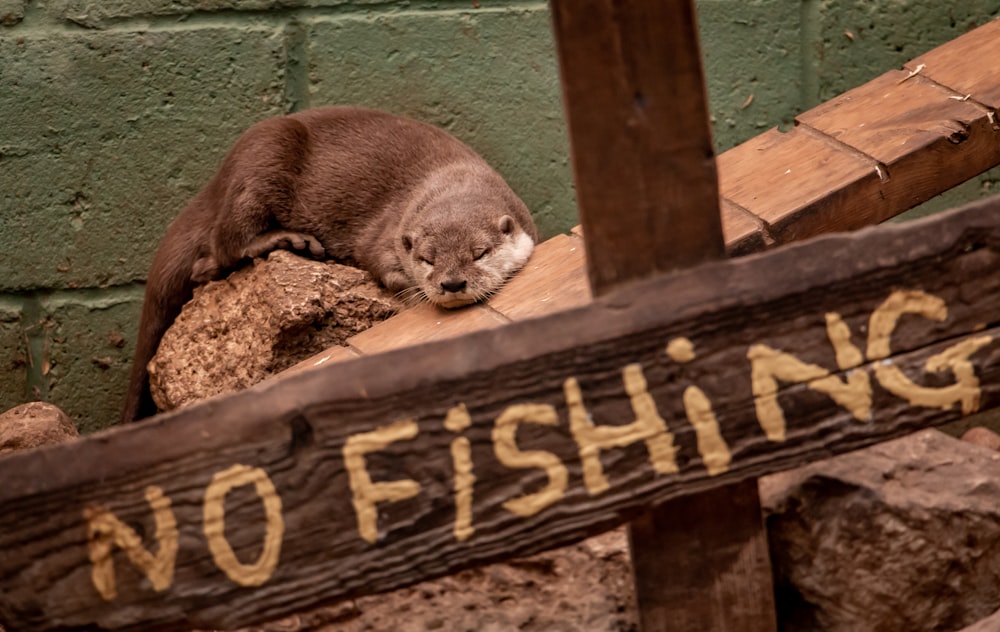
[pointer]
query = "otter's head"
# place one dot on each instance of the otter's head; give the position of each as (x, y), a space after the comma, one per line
(457, 262)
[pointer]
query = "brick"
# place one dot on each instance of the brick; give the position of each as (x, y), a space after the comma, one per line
(106, 135)
(752, 57)
(13, 355)
(884, 34)
(88, 349)
(489, 77)
(11, 11)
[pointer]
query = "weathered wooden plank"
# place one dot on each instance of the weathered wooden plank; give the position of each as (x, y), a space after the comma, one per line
(882, 147)
(743, 231)
(649, 214)
(966, 64)
(332, 441)
(738, 549)
(895, 115)
(801, 186)
(331, 355)
(552, 280)
(642, 148)
(424, 323)
(922, 138)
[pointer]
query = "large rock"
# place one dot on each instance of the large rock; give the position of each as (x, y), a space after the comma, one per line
(586, 587)
(260, 320)
(33, 425)
(904, 535)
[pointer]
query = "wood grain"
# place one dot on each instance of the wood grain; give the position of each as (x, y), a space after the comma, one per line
(799, 185)
(296, 430)
(638, 119)
(424, 323)
(877, 150)
(331, 355)
(553, 280)
(967, 64)
(923, 139)
(679, 530)
(743, 231)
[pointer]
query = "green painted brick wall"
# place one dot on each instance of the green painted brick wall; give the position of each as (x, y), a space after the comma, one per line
(114, 112)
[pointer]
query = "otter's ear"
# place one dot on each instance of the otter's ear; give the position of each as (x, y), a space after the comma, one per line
(407, 243)
(506, 224)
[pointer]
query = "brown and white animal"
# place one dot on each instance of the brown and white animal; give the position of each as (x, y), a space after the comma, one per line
(418, 209)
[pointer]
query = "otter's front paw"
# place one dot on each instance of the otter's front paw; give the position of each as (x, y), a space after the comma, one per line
(284, 240)
(396, 281)
(205, 269)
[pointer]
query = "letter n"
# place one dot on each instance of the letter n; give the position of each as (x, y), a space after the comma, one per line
(105, 531)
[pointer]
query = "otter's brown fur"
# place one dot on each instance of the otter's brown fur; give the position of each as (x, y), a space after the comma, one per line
(402, 199)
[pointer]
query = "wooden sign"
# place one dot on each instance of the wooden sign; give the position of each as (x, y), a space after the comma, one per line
(423, 461)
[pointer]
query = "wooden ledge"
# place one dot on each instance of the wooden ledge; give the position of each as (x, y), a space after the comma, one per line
(858, 159)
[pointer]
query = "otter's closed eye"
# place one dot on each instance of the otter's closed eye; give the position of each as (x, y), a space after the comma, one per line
(426, 260)
(479, 253)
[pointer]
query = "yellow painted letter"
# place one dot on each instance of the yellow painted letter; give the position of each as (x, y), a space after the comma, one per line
(104, 531)
(505, 447)
(365, 492)
(214, 514)
(964, 391)
(648, 427)
(461, 460)
(711, 446)
(768, 365)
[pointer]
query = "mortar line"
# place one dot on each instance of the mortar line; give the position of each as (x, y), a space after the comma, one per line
(33, 329)
(273, 18)
(297, 64)
(810, 39)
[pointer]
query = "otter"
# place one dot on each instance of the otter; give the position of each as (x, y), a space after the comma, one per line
(406, 201)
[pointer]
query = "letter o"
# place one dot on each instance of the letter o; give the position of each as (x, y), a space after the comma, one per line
(215, 524)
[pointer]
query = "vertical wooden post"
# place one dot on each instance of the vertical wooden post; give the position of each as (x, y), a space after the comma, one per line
(644, 164)
(639, 132)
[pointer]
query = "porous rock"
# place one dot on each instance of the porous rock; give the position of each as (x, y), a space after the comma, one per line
(33, 425)
(904, 535)
(259, 320)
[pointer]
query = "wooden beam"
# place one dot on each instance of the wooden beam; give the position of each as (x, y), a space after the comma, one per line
(959, 65)
(642, 150)
(710, 551)
(647, 191)
(876, 150)
(342, 480)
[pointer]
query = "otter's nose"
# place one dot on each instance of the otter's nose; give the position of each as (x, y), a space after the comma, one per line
(453, 285)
